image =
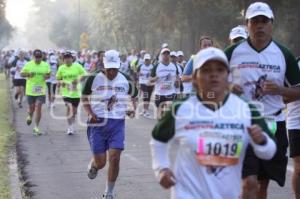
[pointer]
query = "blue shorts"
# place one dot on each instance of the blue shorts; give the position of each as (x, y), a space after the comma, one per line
(110, 135)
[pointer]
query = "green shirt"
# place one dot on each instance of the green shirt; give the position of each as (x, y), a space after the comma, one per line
(68, 74)
(36, 85)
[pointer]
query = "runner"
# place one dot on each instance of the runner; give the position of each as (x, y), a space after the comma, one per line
(105, 97)
(213, 136)
(180, 57)
(144, 75)
(178, 84)
(51, 82)
(19, 82)
(293, 126)
(264, 71)
(36, 72)
(237, 34)
(164, 76)
(70, 76)
(204, 42)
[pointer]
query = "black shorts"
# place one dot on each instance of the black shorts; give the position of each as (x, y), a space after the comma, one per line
(163, 98)
(274, 169)
(294, 139)
(19, 82)
(73, 101)
(33, 99)
(51, 88)
(147, 92)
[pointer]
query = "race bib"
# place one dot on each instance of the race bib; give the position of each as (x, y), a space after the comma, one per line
(166, 86)
(72, 87)
(219, 149)
(37, 89)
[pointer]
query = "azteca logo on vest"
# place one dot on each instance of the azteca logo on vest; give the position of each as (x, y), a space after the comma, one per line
(263, 67)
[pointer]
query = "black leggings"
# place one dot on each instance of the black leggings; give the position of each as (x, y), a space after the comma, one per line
(51, 88)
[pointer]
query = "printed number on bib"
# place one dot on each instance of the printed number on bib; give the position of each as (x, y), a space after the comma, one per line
(37, 89)
(72, 87)
(218, 149)
(166, 86)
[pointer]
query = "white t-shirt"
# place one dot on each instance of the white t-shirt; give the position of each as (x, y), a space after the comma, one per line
(19, 65)
(251, 68)
(124, 68)
(293, 114)
(211, 147)
(52, 78)
(145, 73)
(165, 84)
(109, 98)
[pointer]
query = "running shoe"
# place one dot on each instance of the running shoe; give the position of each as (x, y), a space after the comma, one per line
(28, 120)
(92, 171)
(36, 131)
(108, 196)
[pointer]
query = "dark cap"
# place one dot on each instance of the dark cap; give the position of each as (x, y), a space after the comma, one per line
(68, 54)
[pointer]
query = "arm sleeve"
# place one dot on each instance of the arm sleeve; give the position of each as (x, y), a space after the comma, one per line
(160, 158)
(268, 150)
(58, 74)
(292, 73)
(153, 71)
(81, 70)
(25, 68)
(87, 87)
(132, 91)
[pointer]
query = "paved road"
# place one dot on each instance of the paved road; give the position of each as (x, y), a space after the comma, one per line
(56, 163)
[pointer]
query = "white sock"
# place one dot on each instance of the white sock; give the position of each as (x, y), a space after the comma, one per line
(109, 187)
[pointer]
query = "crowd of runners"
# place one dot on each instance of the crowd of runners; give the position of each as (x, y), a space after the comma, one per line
(232, 113)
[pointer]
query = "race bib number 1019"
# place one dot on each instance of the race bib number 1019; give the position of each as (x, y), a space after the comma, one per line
(219, 149)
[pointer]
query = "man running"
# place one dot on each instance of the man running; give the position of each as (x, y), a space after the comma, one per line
(264, 71)
(105, 98)
(204, 42)
(144, 75)
(164, 76)
(213, 135)
(19, 81)
(51, 82)
(237, 34)
(70, 76)
(36, 72)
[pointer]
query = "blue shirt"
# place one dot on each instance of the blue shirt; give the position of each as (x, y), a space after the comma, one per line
(188, 69)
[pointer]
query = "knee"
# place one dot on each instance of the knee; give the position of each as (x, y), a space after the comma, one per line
(99, 163)
(114, 159)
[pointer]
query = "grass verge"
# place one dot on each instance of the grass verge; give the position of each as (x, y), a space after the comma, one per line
(6, 135)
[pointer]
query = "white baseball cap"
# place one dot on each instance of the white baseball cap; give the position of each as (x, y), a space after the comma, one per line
(147, 56)
(142, 52)
(111, 59)
(238, 31)
(173, 53)
(164, 45)
(209, 54)
(180, 53)
(165, 50)
(259, 8)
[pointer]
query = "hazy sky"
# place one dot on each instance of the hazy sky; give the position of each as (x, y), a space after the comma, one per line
(17, 12)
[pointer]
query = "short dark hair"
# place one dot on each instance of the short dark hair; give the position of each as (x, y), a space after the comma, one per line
(205, 37)
(37, 53)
